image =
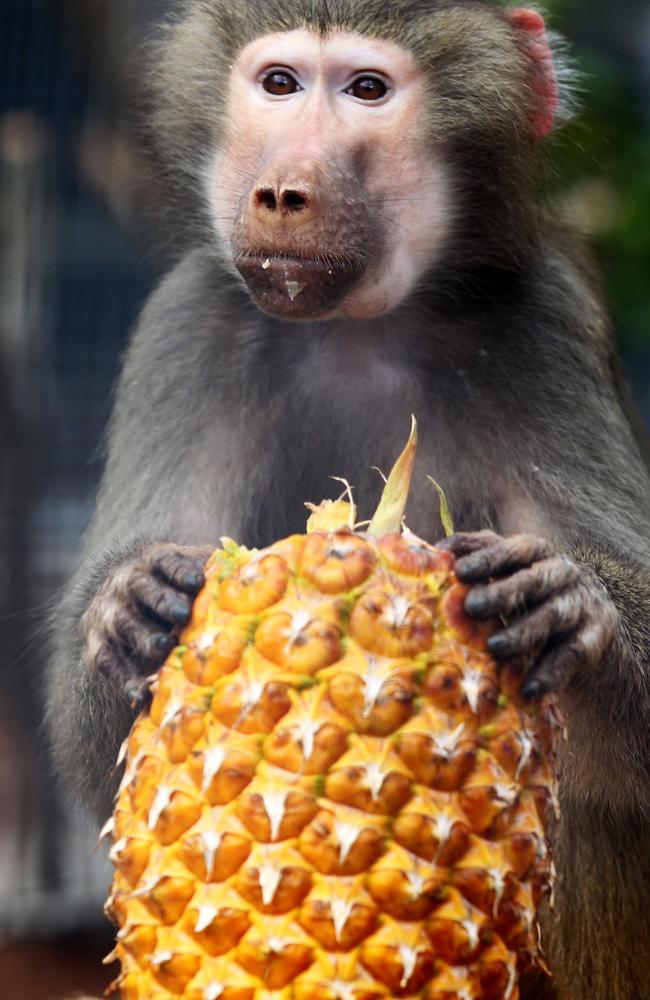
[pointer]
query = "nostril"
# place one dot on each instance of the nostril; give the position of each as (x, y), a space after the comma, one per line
(265, 198)
(293, 201)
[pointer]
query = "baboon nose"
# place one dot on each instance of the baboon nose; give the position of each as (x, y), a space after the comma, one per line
(283, 195)
(285, 201)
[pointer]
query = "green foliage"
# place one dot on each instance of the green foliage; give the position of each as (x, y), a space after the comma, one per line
(602, 159)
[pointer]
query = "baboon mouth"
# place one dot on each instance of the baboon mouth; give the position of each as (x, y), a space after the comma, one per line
(328, 261)
(294, 285)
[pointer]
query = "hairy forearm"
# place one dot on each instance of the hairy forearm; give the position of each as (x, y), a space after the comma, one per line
(117, 623)
(87, 718)
(607, 708)
(89, 722)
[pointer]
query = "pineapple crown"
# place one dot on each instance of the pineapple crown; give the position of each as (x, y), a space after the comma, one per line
(333, 515)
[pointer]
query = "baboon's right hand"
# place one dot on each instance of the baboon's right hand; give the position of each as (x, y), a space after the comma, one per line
(134, 620)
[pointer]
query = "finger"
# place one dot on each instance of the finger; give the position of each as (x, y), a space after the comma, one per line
(558, 615)
(166, 603)
(114, 667)
(138, 693)
(144, 640)
(522, 590)
(506, 556)
(182, 568)
(464, 543)
(559, 664)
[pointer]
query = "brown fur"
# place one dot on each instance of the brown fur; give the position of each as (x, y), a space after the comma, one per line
(227, 419)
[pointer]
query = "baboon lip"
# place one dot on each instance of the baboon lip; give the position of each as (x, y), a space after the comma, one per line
(297, 286)
(328, 263)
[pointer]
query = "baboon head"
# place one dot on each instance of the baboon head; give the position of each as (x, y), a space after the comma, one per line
(344, 149)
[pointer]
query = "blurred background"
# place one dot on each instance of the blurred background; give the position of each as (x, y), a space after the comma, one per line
(76, 262)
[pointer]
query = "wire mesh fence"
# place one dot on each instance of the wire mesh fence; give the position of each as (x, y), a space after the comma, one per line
(72, 278)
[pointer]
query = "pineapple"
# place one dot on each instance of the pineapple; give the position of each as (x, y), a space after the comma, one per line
(335, 794)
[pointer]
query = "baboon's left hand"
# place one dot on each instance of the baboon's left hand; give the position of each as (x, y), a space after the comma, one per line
(555, 611)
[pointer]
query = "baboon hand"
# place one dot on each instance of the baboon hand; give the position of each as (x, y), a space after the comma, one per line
(557, 614)
(134, 619)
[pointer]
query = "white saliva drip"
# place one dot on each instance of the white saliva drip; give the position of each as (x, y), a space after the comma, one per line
(211, 842)
(213, 991)
(471, 930)
(409, 957)
(212, 761)
(300, 619)
(161, 957)
(347, 835)
(116, 850)
(471, 685)
(447, 743)
(207, 916)
(269, 877)
(526, 752)
(252, 694)
(275, 804)
(160, 803)
(341, 910)
(396, 613)
(376, 778)
(294, 288)
(372, 685)
(305, 730)
(499, 889)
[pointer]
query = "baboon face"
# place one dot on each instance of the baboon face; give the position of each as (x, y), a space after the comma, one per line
(324, 193)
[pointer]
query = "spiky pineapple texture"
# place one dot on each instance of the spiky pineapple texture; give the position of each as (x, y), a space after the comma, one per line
(336, 795)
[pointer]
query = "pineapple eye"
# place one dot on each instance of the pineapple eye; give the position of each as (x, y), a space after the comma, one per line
(279, 83)
(367, 88)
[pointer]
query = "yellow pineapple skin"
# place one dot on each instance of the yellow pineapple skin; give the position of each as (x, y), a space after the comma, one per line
(336, 794)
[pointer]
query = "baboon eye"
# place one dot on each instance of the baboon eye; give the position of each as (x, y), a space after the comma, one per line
(368, 88)
(280, 83)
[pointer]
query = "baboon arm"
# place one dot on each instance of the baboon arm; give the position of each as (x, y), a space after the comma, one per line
(607, 756)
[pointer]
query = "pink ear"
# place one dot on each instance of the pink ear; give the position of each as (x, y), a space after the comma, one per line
(544, 78)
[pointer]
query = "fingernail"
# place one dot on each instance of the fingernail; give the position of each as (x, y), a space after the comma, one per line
(164, 643)
(472, 567)
(192, 581)
(533, 690)
(500, 645)
(180, 613)
(137, 694)
(476, 604)
(132, 690)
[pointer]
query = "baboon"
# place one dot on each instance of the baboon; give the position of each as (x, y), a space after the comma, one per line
(355, 182)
